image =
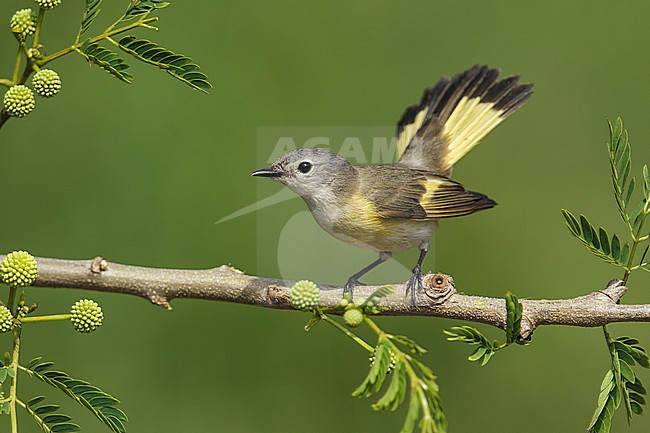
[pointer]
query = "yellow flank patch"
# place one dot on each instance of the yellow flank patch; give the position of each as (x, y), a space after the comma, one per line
(470, 121)
(409, 131)
(360, 214)
(361, 225)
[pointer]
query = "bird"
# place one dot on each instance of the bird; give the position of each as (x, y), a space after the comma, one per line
(390, 208)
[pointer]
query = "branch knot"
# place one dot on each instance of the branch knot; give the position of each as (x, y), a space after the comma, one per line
(615, 290)
(438, 287)
(98, 265)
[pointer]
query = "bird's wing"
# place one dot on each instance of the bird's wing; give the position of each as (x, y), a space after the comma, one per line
(418, 194)
(454, 115)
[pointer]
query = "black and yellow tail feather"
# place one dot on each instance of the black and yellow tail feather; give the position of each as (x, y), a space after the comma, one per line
(454, 115)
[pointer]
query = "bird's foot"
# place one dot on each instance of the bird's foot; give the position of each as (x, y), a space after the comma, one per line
(414, 284)
(349, 287)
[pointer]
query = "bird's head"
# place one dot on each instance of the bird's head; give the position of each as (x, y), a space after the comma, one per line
(311, 172)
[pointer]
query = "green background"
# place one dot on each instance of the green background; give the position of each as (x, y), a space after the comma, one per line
(140, 173)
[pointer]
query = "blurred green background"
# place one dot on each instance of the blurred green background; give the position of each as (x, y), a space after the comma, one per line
(139, 174)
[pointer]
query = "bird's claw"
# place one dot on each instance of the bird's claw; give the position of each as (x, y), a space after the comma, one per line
(414, 284)
(350, 285)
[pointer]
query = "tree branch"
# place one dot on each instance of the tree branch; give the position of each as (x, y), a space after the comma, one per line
(438, 299)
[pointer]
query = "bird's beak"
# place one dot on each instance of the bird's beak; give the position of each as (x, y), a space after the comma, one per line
(267, 172)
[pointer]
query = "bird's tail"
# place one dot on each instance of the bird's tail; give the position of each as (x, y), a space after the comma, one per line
(454, 115)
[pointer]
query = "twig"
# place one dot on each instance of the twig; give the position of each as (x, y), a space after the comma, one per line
(439, 299)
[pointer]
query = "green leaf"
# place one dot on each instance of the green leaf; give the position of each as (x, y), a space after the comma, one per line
(87, 395)
(65, 428)
(114, 412)
(640, 356)
(138, 8)
(587, 229)
(626, 352)
(616, 248)
(313, 321)
(107, 60)
(36, 400)
(412, 414)
(620, 166)
(646, 182)
(572, 222)
(636, 213)
(626, 357)
(626, 371)
(606, 405)
(486, 358)
(91, 12)
(409, 374)
(514, 312)
(378, 294)
(477, 354)
(637, 387)
(637, 398)
(51, 422)
(472, 336)
(395, 392)
(377, 373)
(630, 190)
(33, 362)
(58, 418)
(604, 241)
(177, 65)
(597, 241)
(625, 253)
(48, 408)
(410, 343)
(103, 401)
(43, 366)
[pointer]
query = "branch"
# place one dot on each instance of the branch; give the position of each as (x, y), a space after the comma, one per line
(438, 299)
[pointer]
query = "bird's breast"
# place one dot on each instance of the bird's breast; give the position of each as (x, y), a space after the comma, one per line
(355, 220)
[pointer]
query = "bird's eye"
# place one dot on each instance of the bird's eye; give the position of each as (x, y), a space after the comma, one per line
(305, 167)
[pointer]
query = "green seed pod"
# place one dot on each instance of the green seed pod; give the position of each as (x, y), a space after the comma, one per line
(6, 319)
(19, 101)
(305, 295)
(18, 269)
(23, 23)
(86, 316)
(353, 318)
(48, 4)
(47, 83)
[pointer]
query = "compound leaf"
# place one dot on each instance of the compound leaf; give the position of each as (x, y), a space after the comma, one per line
(107, 60)
(514, 312)
(141, 7)
(177, 65)
(597, 241)
(100, 403)
(91, 12)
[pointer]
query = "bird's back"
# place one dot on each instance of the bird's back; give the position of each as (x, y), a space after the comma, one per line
(394, 207)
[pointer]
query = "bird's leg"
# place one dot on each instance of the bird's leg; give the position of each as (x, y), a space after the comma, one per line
(354, 279)
(415, 283)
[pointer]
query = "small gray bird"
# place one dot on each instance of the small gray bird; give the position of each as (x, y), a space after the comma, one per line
(393, 207)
